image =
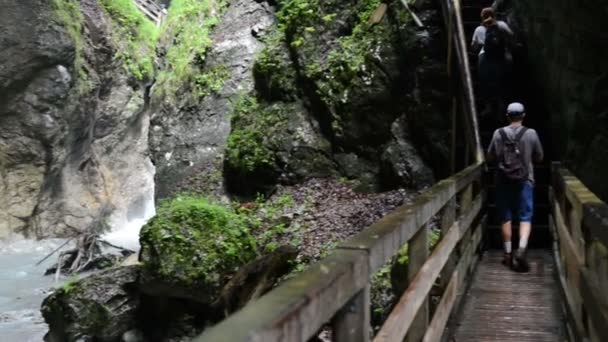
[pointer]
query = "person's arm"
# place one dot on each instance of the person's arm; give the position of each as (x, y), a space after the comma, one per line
(492, 155)
(509, 33)
(537, 151)
(505, 27)
(476, 43)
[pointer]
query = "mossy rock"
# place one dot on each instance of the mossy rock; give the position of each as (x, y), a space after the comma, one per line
(100, 307)
(192, 246)
(271, 143)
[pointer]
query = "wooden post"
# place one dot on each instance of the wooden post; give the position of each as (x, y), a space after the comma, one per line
(352, 323)
(454, 115)
(418, 252)
(448, 216)
(466, 199)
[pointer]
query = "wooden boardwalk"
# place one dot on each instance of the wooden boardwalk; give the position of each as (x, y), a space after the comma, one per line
(505, 306)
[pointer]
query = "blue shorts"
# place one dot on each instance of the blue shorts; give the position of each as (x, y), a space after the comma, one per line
(515, 198)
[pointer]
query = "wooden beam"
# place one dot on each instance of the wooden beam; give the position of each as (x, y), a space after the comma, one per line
(456, 284)
(400, 319)
(577, 331)
(595, 219)
(296, 309)
(352, 323)
(378, 14)
(418, 253)
(384, 238)
(595, 303)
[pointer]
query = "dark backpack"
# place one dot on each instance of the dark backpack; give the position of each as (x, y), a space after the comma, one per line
(494, 45)
(512, 165)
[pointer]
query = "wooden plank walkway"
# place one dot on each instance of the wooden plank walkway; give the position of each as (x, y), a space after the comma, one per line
(505, 306)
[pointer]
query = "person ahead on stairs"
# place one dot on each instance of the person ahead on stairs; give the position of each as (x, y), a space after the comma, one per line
(515, 148)
(492, 39)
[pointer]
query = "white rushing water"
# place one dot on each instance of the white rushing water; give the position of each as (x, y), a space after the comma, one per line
(133, 212)
(125, 232)
(23, 287)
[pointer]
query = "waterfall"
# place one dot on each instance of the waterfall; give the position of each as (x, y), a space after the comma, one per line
(135, 209)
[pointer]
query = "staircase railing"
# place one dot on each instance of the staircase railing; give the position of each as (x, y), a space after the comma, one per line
(452, 14)
(152, 10)
(336, 290)
(579, 221)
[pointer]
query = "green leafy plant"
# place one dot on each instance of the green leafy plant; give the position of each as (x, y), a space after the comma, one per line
(137, 37)
(212, 81)
(250, 145)
(186, 32)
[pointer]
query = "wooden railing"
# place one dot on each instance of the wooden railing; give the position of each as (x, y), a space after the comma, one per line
(452, 14)
(336, 290)
(152, 10)
(579, 221)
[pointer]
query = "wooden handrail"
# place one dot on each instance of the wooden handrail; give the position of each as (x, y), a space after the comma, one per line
(579, 220)
(298, 308)
(452, 15)
(151, 9)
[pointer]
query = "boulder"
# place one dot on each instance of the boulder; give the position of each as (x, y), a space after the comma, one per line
(100, 307)
(191, 248)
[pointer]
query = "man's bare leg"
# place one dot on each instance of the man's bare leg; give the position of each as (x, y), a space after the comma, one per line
(506, 239)
(520, 262)
(524, 234)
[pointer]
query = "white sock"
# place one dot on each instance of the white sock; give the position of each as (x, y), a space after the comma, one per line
(507, 247)
(523, 243)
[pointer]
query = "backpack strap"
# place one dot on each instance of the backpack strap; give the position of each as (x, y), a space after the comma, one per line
(518, 137)
(520, 134)
(504, 135)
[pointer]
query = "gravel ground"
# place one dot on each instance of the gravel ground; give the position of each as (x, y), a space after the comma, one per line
(327, 211)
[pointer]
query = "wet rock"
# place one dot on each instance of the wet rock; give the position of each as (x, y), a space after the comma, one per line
(272, 143)
(256, 278)
(191, 133)
(100, 307)
(572, 107)
(70, 145)
(401, 161)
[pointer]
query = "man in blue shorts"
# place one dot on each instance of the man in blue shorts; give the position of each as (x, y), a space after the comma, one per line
(515, 148)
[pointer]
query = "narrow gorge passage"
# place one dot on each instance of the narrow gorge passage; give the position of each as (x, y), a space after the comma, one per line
(230, 145)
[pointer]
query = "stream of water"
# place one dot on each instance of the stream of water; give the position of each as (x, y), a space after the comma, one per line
(23, 287)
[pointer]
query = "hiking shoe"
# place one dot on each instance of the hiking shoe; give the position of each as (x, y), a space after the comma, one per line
(507, 260)
(520, 264)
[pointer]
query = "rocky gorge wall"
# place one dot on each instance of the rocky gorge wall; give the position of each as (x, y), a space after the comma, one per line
(73, 122)
(261, 93)
(567, 47)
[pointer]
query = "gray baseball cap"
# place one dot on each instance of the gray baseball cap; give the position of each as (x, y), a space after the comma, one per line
(515, 109)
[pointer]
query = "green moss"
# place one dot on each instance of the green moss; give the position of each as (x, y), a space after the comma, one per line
(212, 81)
(296, 17)
(250, 144)
(345, 69)
(187, 31)
(193, 240)
(136, 37)
(68, 13)
(275, 75)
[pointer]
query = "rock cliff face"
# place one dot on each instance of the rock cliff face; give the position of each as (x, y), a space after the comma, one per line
(567, 50)
(189, 131)
(73, 125)
(351, 94)
(279, 95)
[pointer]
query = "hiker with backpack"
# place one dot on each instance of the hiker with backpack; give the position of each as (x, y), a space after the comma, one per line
(515, 148)
(492, 38)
